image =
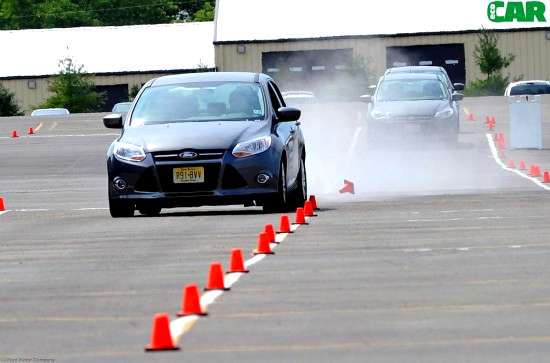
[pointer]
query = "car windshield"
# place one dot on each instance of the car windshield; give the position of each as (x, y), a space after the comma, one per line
(196, 102)
(530, 89)
(410, 90)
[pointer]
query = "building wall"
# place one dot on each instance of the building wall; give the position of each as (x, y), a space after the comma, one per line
(28, 98)
(531, 48)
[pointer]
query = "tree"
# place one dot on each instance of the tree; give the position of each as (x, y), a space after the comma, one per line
(73, 89)
(491, 63)
(8, 104)
(205, 13)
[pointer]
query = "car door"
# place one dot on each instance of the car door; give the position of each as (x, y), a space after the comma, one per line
(288, 132)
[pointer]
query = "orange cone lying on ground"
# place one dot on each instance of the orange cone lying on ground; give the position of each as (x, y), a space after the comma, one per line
(348, 187)
(237, 262)
(546, 178)
(263, 245)
(300, 216)
(308, 209)
(470, 117)
(284, 224)
(160, 334)
(522, 165)
(313, 201)
(215, 277)
(191, 304)
(2, 206)
(14, 134)
(270, 231)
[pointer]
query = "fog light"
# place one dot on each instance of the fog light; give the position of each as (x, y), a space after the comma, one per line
(120, 183)
(263, 178)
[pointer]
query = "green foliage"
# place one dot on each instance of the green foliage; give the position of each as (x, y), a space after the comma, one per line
(491, 63)
(73, 89)
(134, 91)
(205, 13)
(25, 14)
(488, 56)
(8, 104)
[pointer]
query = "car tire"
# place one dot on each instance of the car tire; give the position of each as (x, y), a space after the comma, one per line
(149, 211)
(120, 209)
(299, 194)
(279, 202)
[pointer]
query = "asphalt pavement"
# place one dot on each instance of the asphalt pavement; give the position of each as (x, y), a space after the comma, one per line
(441, 255)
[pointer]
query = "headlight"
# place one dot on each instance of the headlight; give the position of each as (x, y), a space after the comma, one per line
(448, 112)
(378, 115)
(252, 147)
(129, 152)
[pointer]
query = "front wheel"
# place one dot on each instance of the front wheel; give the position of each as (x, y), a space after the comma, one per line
(120, 208)
(299, 194)
(278, 203)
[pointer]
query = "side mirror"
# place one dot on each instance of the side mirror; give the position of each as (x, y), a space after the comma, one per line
(365, 98)
(458, 86)
(288, 114)
(113, 121)
(457, 96)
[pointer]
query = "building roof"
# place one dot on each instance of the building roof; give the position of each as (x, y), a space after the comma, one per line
(125, 49)
(263, 20)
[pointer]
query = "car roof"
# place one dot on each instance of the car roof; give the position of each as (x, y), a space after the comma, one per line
(521, 83)
(411, 76)
(413, 69)
(248, 77)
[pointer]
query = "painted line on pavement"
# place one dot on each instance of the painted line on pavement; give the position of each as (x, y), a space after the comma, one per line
(493, 148)
(56, 136)
(180, 326)
(38, 127)
(54, 125)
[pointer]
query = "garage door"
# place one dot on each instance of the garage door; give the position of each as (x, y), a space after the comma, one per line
(449, 56)
(318, 71)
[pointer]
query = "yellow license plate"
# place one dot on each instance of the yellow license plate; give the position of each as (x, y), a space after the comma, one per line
(193, 174)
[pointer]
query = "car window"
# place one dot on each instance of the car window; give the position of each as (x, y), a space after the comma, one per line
(530, 89)
(278, 92)
(275, 102)
(409, 90)
(204, 101)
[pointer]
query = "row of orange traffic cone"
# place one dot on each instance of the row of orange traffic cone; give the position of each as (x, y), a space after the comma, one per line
(14, 133)
(534, 170)
(161, 338)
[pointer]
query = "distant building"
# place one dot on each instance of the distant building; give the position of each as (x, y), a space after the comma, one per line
(310, 43)
(119, 57)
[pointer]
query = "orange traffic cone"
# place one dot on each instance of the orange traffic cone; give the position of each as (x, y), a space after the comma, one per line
(2, 206)
(300, 216)
(470, 117)
(191, 303)
(535, 170)
(348, 187)
(215, 277)
(31, 131)
(284, 224)
(263, 245)
(160, 334)
(501, 142)
(546, 178)
(308, 209)
(14, 134)
(237, 262)
(313, 201)
(522, 165)
(511, 164)
(270, 231)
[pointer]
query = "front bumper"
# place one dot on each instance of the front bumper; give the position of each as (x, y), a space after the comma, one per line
(227, 180)
(422, 128)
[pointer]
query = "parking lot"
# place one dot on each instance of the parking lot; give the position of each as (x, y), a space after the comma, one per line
(439, 256)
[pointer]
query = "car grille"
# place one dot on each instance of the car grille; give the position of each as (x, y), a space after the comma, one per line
(211, 176)
(174, 155)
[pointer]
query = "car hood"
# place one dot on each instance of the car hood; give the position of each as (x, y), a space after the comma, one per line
(416, 108)
(194, 135)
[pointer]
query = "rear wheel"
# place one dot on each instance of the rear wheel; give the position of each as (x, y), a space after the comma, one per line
(120, 208)
(279, 202)
(299, 195)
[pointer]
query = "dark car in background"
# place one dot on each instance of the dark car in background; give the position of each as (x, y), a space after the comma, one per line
(439, 71)
(527, 88)
(206, 139)
(413, 106)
